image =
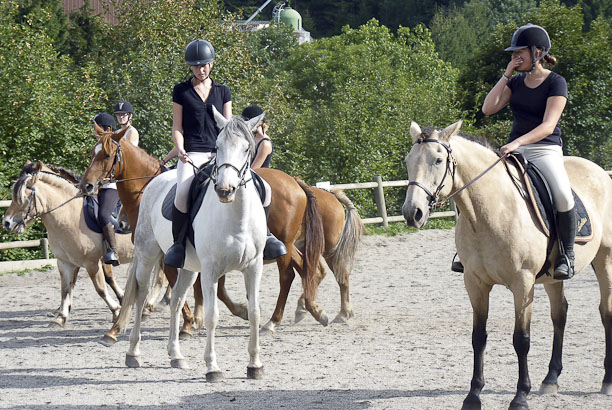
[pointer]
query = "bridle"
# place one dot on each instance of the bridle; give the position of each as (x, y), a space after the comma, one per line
(451, 166)
(242, 171)
(450, 159)
(117, 162)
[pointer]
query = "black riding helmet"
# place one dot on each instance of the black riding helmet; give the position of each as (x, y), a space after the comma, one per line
(105, 121)
(123, 106)
(531, 36)
(199, 52)
(251, 111)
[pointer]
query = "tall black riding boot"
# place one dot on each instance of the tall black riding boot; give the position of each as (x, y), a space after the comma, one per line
(274, 248)
(176, 254)
(566, 225)
(110, 257)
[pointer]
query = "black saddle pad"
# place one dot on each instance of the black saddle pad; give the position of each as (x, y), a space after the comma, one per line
(90, 211)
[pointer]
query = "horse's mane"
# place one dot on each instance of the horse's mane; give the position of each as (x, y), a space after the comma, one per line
(478, 140)
(108, 143)
(238, 127)
(57, 176)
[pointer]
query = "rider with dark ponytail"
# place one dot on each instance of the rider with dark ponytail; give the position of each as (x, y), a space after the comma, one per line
(537, 97)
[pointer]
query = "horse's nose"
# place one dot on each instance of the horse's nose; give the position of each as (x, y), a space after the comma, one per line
(414, 216)
(224, 191)
(88, 188)
(6, 224)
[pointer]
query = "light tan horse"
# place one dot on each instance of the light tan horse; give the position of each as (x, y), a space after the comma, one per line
(41, 192)
(499, 242)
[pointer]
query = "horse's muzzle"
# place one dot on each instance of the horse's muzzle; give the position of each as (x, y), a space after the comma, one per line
(226, 194)
(88, 188)
(11, 224)
(414, 216)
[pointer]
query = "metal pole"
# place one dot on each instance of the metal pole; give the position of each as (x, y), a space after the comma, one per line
(379, 197)
(257, 12)
(45, 246)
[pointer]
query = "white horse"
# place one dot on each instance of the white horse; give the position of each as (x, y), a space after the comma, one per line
(230, 234)
(499, 242)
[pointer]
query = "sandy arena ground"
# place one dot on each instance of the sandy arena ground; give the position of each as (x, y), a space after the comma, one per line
(408, 347)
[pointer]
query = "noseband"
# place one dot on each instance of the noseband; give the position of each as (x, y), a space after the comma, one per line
(242, 171)
(450, 160)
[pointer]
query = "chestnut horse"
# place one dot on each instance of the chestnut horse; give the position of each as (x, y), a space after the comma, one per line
(293, 215)
(499, 242)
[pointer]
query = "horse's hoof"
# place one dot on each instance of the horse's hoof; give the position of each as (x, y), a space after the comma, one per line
(179, 364)
(57, 322)
(471, 402)
(185, 335)
(108, 340)
(300, 315)
(518, 404)
(606, 389)
(324, 320)
(549, 388)
(342, 318)
(268, 329)
(133, 362)
(255, 373)
(214, 377)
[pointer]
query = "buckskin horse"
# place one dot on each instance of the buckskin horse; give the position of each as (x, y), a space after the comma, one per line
(294, 214)
(499, 242)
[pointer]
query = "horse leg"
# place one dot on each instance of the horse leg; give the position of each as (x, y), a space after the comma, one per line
(523, 305)
(188, 318)
(209, 289)
(237, 309)
(558, 313)
(185, 280)
(310, 303)
(603, 269)
(478, 293)
(68, 276)
(252, 280)
(110, 280)
(97, 277)
(285, 277)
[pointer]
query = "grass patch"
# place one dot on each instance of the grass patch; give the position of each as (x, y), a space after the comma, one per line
(400, 228)
(23, 272)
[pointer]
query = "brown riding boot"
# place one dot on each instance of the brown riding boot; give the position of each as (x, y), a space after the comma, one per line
(110, 257)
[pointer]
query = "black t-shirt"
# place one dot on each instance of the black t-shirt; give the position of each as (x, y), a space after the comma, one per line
(199, 127)
(529, 104)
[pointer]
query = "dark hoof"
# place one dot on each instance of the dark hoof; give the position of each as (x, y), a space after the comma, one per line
(549, 388)
(255, 373)
(179, 364)
(108, 340)
(518, 404)
(185, 335)
(133, 362)
(214, 377)
(471, 403)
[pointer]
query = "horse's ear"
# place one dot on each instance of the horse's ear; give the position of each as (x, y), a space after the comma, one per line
(38, 166)
(253, 123)
(415, 131)
(219, 118)
(116, 136)
(99, 130)
(450, 131)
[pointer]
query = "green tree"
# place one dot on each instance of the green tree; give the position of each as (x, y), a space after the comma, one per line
(47, 15)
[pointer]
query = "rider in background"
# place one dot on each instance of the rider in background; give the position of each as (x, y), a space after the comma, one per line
(124, 111)
(263, 143)
(537, 97)
(107, 199)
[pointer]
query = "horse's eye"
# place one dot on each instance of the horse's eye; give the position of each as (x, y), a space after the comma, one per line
(438, 161)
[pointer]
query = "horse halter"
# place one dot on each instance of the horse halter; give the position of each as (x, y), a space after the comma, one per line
(117, 161)
(241, 172)
(433, 198)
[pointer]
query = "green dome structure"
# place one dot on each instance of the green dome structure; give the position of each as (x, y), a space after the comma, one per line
(291, 17)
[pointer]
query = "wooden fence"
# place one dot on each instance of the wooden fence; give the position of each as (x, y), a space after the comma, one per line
(377, 183)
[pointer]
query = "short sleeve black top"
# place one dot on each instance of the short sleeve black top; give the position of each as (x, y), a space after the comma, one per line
(199, 127)
(529, 104)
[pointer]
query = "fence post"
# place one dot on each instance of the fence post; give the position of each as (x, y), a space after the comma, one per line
(379, 197)
(453, 206)
(44, 242)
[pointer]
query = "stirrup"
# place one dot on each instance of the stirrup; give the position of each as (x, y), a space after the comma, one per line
(274, 248)
(456, 266)
(175, 256)
(562, 274)
(111, 258)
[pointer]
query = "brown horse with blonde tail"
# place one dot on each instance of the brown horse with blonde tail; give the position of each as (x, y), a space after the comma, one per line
(294, 218)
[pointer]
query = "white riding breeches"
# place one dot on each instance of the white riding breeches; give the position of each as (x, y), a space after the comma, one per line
(549, 160)
(184, 176)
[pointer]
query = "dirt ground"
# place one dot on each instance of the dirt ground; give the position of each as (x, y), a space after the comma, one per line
(408, 347)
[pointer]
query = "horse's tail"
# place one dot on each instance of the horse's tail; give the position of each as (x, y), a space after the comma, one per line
(129, 298)
(343, 253)
(314, 238)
